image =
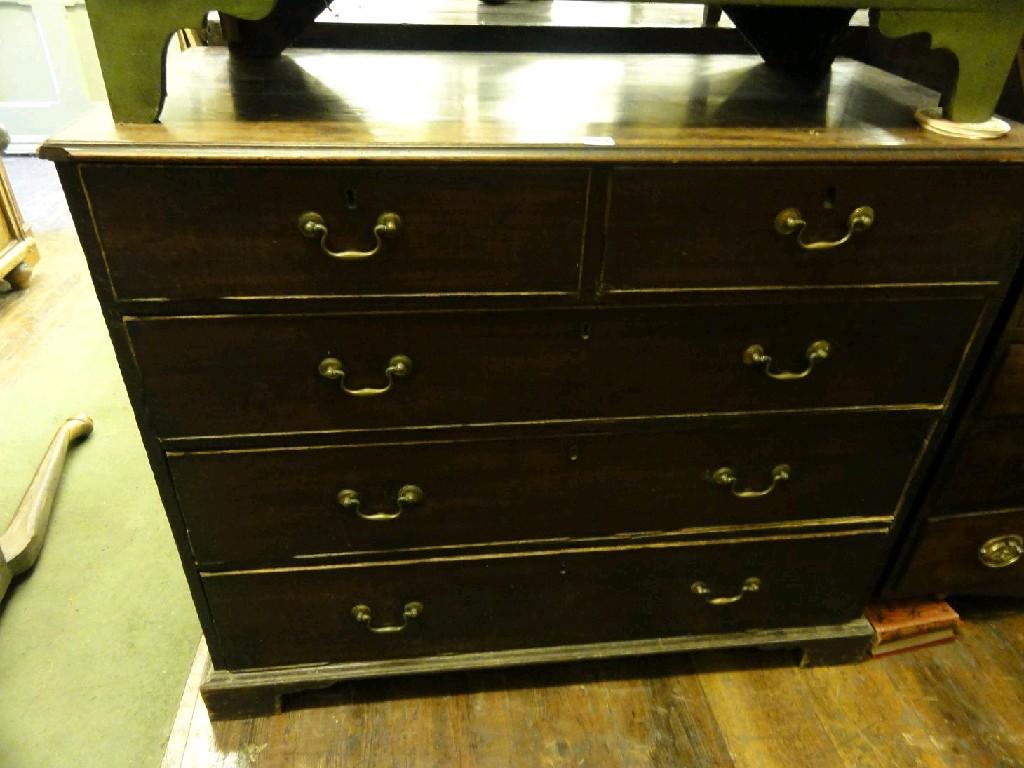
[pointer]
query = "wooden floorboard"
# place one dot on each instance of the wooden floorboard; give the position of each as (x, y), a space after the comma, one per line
(761, 707)
(950, 706)
(866, 716)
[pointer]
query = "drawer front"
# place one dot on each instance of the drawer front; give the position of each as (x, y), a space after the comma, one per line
(987, 472)
(716, 227)
(241, 375)
(210, 232)
(980, 553)
(1006, 396)
(260, 507)
(274, 618)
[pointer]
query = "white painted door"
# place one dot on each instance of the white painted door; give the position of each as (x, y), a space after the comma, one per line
(49, 73)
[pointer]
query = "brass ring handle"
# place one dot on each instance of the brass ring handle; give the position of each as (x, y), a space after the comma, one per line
(1001, 551)
(727, 476)
(408, 495)
(791, 220)
(755, 355)
(312, 226)
(701, 589)
(398, 366)
(364, 615)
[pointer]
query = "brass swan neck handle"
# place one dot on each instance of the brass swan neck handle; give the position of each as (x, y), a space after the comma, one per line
(398, 366)
(756, 355)
(751, 585)
(408, 495)
(312, 226)
(726, 476)
(364, 615)
(791, 221)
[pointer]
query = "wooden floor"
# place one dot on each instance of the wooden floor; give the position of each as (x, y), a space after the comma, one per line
(27, 316)
(960, 704)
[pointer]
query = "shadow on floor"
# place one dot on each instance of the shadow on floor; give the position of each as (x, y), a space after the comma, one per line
(538, 676)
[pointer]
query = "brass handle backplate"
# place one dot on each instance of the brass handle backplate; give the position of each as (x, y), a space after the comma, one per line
(756, 355)
(408, 495)
(791, 220)
(312, 226)
(701, 589)
(1001, 551)
(726, 476)
(398, 366)
(364, 615)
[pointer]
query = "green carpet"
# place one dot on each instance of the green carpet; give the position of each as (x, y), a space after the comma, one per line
(95, 644)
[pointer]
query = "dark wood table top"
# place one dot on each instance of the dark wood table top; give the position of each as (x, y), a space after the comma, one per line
(324, 105)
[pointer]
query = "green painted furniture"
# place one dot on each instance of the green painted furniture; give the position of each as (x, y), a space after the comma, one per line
(131, 41)
(131, 37)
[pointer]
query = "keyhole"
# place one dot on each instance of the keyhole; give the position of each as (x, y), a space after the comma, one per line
(574, 452)
(585, 331)
(350, 199)
(830, 198)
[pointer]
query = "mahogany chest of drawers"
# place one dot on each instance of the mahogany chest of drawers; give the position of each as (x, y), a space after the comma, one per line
(969, 535)
(472, 360)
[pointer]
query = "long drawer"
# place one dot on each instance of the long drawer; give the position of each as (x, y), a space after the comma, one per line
(273, 374)
(260, 507)
(210, 232)
(714, 227)
(273, 618)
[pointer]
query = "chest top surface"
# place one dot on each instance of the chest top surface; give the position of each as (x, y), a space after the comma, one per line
(332, 105)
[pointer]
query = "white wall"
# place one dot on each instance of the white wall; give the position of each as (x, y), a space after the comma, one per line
(49, 73)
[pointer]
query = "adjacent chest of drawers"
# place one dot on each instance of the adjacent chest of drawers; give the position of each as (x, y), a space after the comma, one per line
(432, 394)
(970, 535)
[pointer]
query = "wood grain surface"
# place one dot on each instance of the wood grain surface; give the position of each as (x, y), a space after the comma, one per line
(304, 615)
(976, 495)
(986, 473)
(258, 374)
(365, 106)
(945, 556)
(463, 230)
(685, 228)
(951, 706)
(254, 508)
(1005, 398)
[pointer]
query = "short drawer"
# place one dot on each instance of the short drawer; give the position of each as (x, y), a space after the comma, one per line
(274, 618)
(273, 374)
(987, 471)
(716, 227)
(975, 553)
(190, 232)
(258, 507)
